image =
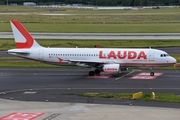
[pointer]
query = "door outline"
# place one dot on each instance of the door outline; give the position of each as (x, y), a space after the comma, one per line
(40, 55)
(151, 55)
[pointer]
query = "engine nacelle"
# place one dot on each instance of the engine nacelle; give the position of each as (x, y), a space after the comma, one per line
(112, 68)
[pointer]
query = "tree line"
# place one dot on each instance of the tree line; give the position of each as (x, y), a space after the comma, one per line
(99, 2)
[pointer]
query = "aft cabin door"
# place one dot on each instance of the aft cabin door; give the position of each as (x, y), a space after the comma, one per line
(40, 56)
(151, 55)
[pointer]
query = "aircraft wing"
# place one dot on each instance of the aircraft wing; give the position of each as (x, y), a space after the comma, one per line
(86, 61)
(92, 61)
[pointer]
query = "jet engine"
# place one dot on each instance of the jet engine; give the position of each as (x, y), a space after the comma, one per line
(112, 68)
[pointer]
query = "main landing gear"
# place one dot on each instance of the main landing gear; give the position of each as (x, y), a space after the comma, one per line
(151, 73)
(92, 73)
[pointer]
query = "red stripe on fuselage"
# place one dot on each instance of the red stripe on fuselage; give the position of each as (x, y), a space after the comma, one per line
(29, 40)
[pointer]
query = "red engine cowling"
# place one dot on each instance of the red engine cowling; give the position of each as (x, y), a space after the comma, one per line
(112, 68)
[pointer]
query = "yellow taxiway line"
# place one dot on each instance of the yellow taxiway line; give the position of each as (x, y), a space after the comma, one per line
(126, 74)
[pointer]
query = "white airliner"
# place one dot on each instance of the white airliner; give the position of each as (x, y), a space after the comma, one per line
(110, 60)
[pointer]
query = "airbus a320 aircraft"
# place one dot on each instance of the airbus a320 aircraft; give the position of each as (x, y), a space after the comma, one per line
(110, 60)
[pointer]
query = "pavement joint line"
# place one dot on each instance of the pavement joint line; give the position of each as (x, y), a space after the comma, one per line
(52, 116)
(125, 75)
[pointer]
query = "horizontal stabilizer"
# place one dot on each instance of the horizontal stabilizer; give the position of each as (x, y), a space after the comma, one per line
(18, 52)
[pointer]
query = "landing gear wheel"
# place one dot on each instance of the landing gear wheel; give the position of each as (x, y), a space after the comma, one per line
(97, 71)
(151, 73)
(91, 73)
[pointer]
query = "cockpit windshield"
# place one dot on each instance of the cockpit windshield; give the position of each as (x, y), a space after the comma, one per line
(164, 55)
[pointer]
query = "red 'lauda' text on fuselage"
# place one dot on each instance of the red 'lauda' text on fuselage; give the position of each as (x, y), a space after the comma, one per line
(123, 55)
(110, 69)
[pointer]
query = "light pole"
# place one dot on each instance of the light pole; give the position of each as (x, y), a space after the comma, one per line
(7, 2)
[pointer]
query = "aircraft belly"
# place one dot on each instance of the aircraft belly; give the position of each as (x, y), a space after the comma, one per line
(148, 64)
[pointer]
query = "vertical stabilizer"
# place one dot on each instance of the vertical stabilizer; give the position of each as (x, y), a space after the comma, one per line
(22, 37)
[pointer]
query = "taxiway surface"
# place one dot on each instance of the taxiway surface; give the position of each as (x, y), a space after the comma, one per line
(101, 36)
(63, 85)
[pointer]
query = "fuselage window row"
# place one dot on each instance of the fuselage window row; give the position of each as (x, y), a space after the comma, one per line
(162, 55)
(73, 55)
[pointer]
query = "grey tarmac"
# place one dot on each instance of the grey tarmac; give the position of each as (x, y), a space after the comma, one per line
(54, 91)
(100, 36)
(63, 85)
(81, 111)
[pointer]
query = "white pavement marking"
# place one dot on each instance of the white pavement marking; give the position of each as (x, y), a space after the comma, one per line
(21, 116)
(124, 75)
(146, 76)
(22, 90)
(143, 77)
(78, 111)
(29, 92)
(128, 74)
(148, 73)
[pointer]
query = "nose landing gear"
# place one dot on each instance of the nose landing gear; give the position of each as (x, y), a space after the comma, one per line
(151, 73)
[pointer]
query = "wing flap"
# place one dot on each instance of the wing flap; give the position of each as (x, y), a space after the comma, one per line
(86, 61)
(92, 61)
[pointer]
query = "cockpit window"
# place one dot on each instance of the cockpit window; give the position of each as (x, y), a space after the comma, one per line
(164, 55)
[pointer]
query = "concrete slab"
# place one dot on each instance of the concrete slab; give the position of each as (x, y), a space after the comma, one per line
(79, 111)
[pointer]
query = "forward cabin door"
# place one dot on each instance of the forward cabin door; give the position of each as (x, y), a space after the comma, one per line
(151, 55)
(40, 56)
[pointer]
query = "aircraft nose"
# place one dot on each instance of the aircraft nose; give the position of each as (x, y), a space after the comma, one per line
(173, 60)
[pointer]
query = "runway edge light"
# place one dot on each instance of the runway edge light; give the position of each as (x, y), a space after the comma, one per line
(137, 95)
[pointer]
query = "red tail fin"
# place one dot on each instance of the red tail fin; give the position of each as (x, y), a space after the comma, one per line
(22, 37)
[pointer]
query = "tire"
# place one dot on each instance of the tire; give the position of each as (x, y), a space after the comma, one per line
(97, 71)
(152, 74)
(91, 73)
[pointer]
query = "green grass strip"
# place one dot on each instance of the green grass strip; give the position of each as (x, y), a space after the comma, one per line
(145, 97)
(97, 28)
(6, 44)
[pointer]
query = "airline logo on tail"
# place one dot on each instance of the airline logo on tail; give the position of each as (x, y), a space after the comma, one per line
(22, 37)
